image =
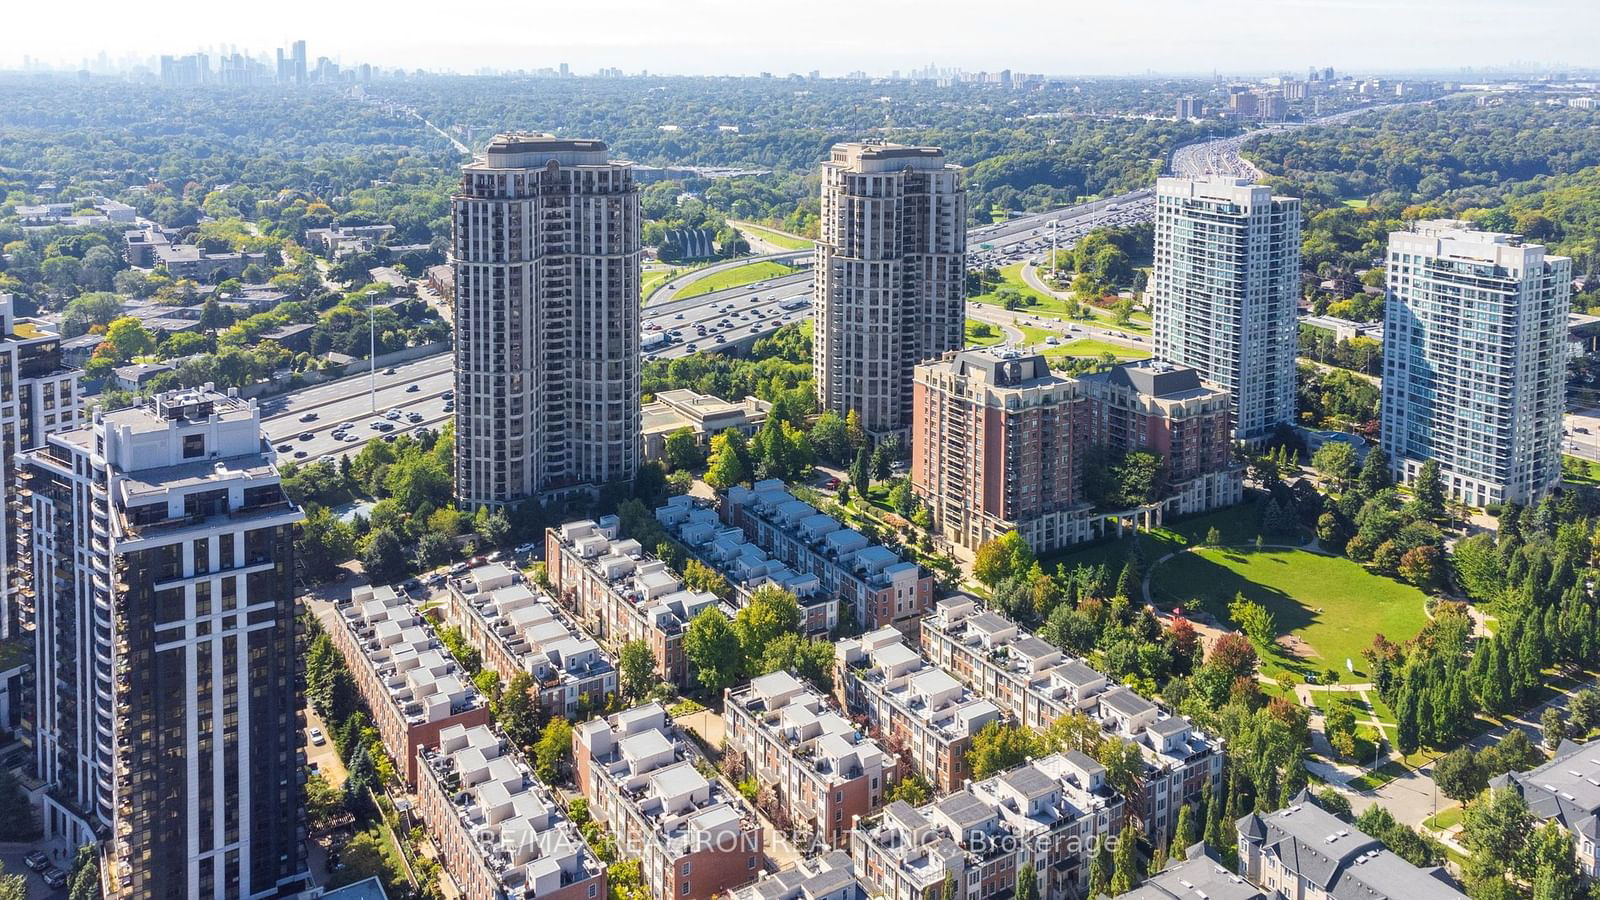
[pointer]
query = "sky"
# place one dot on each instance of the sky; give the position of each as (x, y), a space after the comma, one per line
(1055, 37)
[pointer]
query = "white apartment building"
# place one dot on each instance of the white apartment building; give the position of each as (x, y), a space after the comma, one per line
(1475, 361)
(169, 704)
(546, 251)
(1224, 289)
(891, 279)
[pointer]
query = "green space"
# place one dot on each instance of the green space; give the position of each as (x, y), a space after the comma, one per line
(1032, 335)
(992, 337)
(1378, 777)
(1579, 471)
(650, 279)
(1446, 818)
(1236, 524)
(737, 276)
(774, 237)
(1092, 347)
(1355, 203)
(1332, 605)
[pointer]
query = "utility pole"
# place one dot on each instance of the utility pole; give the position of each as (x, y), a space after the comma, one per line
(372, 352)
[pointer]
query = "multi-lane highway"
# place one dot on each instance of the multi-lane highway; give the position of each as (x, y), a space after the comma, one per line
(415, 390)
(736, 316)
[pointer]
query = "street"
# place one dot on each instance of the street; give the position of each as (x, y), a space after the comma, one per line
(349, 400)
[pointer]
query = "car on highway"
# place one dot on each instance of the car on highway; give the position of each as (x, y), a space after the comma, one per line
(389, 371)
(306, 435)
(300, 454)
(414, 417)
(375, 423)
(308, 417)
(346, 426)
(285, 448)
(327, 458)
(413, 388)
(392, 414)
(721, 339)
(449, 407)
(350, 439)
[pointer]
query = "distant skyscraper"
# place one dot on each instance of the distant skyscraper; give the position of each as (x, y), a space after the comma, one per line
(1191, 108)
(1224, 289)
(161, 553)
(546, 250)
(890, 276)
(1475, 361)
(299, 60)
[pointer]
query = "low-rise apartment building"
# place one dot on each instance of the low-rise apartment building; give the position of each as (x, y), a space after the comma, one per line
(873, 580)
(1306, 851)
(1167, 410)
(920, 712)
(1032, 682)
(412, 686)
(619, 593)
(826, 877)
(1195, 877)
(518, 629)
(693, 836)
(703, 414)
(1567, 790)
(747, 567)
(821, 771)
(1051, 812)
(501, 834)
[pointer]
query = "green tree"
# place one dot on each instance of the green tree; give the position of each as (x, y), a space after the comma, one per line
(83, 882)
(1428, 488)
(770, 613)
(860, 474)
(1100, 866)
(913, 790)
(1336, 460)
(553, 750)
(387, 558)
(712, 647)
(1334, 802)
(129, 338)
(1027, 883)
(1375, 474)
(998, 747)
(682, 451)
(947, 889)
(1183, 835)
(1254, 619)
(800, 656)
(729, 463)
(1553, 725)
(518, 716)
(1128, 874)
(1495, 830)
(998, 559)
(700, 577)
(1460, 775)
(1123, 762)
(324, 802)
(636, 665)
(830, 438)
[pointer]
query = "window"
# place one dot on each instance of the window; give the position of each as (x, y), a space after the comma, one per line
(685, 870)
(194, 445)
(685, 891)
(594, 891)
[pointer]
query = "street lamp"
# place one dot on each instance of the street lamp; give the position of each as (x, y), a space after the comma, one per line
(372, 350)
(1055, 252)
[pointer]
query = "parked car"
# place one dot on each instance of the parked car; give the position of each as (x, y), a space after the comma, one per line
(459, 569)
(316, 737)
(38, 860)
(54, 877)
(525, 549)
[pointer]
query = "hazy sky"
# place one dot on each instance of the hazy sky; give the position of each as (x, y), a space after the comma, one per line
(725, 36)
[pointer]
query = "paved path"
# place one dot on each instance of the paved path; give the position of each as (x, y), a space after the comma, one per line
(980, 313)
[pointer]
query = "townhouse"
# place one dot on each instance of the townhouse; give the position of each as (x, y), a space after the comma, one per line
(518, 629)
(1032, 682)
(821, 771)
(920, 712)
(826, 877)
(1567, 790)
(412, 686)
(619, 593)
(693, 836)
(501, 834)
(873, 581)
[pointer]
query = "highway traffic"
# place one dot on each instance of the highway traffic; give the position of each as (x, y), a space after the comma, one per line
(338, 417)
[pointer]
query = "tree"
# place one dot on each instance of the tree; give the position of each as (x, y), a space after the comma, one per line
(1127, 876)
(1336, 460)
(830, 438)
(553, 750)
(1123, 762)
(902, 499)
(1183, 836)
(998, 747)
(129, 338)
(682, 451)
(1334, 802)
(1213, 538)
(1553, 725)
(433, 550)
(517, 715)
(386, 557)
(700, 577)
(1100, 865)
(712, 647)
(1027, 883)
(1006, 556)
(1422, 566)
(1428, 489)
(1477, 566)
(800, 656)
(729, 463)
(913, 790)
(23, 825)
(947, 890)
(770, 613)
(1460, 775)
(324, 802)
(363, 857)
(84, 882)
(636, 666)
(860, 473)
(1233, 655)
(1494, 830)
(1254, 619)
(1584, 712)
(1374, 472)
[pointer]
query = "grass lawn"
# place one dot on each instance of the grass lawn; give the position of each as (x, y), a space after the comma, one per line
(1578, 471)
(1043, 304)
(1332, 604)
(1355, 203)
(1237, 524)
(1091, 347)
(995, 335)
(775, 237)
(738, 276)
(1447, 818)
(1032, 335)
(650, 279)
(1378, 777)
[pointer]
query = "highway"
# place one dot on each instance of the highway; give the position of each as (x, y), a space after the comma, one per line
(348, 400)
(739, 315)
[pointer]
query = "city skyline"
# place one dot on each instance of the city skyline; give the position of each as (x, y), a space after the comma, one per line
(709, 37)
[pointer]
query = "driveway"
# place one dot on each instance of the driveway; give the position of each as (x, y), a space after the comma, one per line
(12, 853)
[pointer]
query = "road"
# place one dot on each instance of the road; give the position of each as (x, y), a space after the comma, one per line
(666, 292)
(348, 399)
(1221, 157)
(740, 314)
